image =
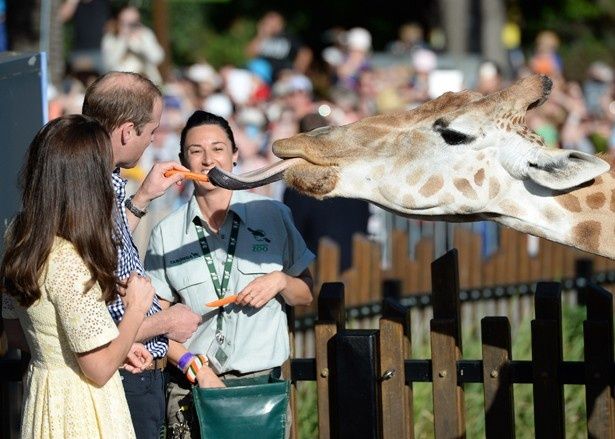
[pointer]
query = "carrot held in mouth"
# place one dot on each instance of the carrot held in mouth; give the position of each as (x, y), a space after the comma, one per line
(188, 175)
(221, 302)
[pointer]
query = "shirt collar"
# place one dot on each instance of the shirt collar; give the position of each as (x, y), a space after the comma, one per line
(237, 205)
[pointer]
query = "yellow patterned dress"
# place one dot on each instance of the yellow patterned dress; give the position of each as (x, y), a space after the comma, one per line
(60, 401)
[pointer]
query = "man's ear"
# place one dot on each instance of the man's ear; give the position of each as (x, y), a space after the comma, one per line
(127, 132)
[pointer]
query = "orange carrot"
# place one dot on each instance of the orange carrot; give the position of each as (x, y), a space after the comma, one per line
(221, 302)
(189, 175)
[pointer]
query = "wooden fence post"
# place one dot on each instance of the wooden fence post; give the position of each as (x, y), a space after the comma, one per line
(446, 349)
(547, 355)
(355, 378)
(395, 347)
(497, 380)
(598, 338)
(331, 319)
(583, 269)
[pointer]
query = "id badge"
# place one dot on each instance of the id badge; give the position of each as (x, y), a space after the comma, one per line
(215, 354)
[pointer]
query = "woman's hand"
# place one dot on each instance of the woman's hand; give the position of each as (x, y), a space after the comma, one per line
(262, 289)
(138, 359)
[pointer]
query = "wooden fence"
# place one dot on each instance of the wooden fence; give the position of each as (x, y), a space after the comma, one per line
(500, 285)
(512, 263)
(365, 377)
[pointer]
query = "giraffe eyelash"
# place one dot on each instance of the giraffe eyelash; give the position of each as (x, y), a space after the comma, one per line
(453, 137)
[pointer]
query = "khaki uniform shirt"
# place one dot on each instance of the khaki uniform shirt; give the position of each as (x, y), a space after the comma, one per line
(254, 339)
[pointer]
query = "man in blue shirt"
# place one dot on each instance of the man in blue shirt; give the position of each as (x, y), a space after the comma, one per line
(130, 106)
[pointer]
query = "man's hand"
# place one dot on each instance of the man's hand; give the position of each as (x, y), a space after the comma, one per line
(138, 359)
(182, 322)
(156, 184)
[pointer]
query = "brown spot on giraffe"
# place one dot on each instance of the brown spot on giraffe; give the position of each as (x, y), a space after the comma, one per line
(588, 232)
(414, 177)
(464, 186)
(479, 177)
(595, 201)
(494, 187)
(569, 202)
(551, 214)
(612, 203)
(446, 199)
(407, 200)
(432, 186)
(511, 209)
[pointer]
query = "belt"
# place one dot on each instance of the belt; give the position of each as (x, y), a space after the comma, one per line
(157, 363)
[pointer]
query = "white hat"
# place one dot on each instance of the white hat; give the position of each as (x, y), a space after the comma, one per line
(219, 104)
(239, 85)
(424, 60)
(359, 38)
(203, 73)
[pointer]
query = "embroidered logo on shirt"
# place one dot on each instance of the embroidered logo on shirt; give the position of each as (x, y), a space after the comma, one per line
(259, 248)
(259, 235)
(185, 258)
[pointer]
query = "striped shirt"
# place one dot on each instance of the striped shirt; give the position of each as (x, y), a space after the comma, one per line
(127, 262)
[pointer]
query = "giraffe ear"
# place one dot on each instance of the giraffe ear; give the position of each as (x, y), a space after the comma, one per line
(564, 169)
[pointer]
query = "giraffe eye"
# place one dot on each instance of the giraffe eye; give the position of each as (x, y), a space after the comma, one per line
(453, 137)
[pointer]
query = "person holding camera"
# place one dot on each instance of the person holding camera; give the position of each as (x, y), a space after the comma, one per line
(129, 46)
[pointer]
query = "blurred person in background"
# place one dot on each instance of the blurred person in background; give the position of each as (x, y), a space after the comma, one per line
(596, 87)
(206, 79)
(357, 58)
(489, 78)
(410, 38)
(276, 45)
(129, 46)
(546, 58)
(88, 19)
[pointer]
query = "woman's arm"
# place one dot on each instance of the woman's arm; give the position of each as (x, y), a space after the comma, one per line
(100, 364)
(294, 290)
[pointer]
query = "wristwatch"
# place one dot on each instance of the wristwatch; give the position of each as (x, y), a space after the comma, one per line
(134, 209)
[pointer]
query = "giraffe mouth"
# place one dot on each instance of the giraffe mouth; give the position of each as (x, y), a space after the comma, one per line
(253, 179)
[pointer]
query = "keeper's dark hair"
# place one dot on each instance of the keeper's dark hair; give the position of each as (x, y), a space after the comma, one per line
(66, 192)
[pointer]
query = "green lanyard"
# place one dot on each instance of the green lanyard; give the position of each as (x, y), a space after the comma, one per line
(221, 288)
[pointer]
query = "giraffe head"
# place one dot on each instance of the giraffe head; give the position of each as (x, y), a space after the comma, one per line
(448, 157)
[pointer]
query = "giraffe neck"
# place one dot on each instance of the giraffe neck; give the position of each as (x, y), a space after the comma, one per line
(583, 218)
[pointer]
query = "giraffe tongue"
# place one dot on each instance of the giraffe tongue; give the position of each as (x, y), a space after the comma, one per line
(249, 180)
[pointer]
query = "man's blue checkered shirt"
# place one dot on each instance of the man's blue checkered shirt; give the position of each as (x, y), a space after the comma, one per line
(127, 262)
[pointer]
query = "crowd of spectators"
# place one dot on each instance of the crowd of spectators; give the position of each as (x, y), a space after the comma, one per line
(266, 98)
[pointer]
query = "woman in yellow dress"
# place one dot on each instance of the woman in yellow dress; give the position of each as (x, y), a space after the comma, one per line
(58, 272)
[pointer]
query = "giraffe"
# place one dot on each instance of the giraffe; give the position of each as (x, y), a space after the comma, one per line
(460, 157)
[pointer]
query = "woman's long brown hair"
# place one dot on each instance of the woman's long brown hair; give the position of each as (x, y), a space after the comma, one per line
(67, 192)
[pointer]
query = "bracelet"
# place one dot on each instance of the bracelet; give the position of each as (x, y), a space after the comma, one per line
(134, 209)
(195, 365)
(184, 361)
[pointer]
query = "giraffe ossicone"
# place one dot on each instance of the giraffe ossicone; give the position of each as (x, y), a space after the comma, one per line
(460, 157)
